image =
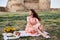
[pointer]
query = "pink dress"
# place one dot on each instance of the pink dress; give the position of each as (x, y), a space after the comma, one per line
(32, 25)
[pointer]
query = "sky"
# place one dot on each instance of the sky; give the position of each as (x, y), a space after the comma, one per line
(54, 3)
(3, 3)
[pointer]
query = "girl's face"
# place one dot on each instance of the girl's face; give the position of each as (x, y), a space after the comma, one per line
(30, 13)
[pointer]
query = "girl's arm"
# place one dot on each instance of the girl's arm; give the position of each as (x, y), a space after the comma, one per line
(37, 24)
(28, 21)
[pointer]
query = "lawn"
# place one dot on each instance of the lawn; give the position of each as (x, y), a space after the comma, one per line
(50, 21)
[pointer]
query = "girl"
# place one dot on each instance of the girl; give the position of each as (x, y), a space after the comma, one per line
(33, 24)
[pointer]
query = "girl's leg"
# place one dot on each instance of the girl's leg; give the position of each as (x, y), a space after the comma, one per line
(43, 34)
(41, 31)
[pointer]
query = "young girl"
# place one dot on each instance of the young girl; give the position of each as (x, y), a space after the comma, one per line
(33, 24)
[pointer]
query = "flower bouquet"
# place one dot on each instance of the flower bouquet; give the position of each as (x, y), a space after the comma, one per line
(9, 29)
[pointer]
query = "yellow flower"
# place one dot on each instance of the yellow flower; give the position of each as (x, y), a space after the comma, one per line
(13, 28)
(9, 29)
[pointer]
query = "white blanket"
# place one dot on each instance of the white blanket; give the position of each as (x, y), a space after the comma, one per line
(22, 34)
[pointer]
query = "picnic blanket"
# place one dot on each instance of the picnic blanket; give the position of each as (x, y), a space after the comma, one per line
(22, 34)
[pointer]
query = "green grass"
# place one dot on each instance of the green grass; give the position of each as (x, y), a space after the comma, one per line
(50, 21)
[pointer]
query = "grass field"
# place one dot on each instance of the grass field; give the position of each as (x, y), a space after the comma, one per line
(50, 21)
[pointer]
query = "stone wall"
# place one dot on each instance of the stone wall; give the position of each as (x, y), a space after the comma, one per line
(22, 5)
(44, 4)
(15, 5)
(2, 9)
(32, 5)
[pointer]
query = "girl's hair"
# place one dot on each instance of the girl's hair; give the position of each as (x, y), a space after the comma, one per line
(35, 14)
